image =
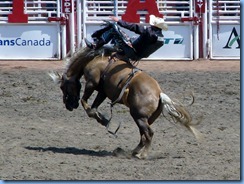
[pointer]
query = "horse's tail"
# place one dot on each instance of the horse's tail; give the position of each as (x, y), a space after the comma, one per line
(179, 114)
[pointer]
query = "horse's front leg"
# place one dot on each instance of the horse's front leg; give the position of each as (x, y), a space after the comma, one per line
(89, 89)
(92, 111)
(101, 96)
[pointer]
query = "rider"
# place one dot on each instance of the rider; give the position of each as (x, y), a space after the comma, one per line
(150, 39)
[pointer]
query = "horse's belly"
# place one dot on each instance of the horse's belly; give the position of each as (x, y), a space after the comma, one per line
(141, 89)
(112, 89)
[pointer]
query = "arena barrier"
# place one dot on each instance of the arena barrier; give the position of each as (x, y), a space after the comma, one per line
(224, 29)
(54, 29)
(26, 33)
(197, 28)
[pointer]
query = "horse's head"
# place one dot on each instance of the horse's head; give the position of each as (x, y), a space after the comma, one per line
(70, 84)
(71, 92)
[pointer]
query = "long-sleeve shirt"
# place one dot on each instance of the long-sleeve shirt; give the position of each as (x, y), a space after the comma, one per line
(145, 44)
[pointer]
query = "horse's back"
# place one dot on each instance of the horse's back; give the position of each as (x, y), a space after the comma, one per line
(145, 83)
(118, 74)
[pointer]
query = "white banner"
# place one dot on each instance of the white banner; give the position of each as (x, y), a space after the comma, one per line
(29, 41)
(226, 41)
(177, 44)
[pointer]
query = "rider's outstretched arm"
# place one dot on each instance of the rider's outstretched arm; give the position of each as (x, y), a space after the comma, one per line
(131, 26)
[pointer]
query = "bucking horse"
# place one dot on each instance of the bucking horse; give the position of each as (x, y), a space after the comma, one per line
(122, 83)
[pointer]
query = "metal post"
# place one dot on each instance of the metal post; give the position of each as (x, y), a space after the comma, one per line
(60, 30)
(72, 29)
(191, 34)
(115, 8)
(79, 23)
(205, 32)
(210, 28)
(195, 38)
(63, 30)
(63, 33)
(196, 42)
(84, 18)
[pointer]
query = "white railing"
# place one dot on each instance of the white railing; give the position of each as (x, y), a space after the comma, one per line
(173, 10)
(224, 16)
(5, 9)
(224, 11)
(98, 10)
(38, 10)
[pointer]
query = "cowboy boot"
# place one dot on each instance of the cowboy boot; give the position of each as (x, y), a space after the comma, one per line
(96, 45)
(98, 33)
(89, 44)
(99, 43)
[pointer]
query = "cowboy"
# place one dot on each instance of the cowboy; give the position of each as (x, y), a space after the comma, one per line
(150, 39)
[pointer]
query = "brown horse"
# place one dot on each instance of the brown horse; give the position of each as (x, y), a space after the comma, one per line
(141, 94)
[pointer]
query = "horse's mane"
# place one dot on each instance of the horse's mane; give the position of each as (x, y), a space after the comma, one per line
(86, 54)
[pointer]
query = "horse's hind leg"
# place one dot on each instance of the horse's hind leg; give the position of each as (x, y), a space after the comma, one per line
(141, 151)
(146, 133)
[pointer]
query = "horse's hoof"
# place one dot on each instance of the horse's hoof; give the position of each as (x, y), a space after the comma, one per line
(104, 121)
(119, 152)
(139, 155)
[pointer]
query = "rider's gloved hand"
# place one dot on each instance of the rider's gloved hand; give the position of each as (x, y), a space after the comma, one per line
(115, 19)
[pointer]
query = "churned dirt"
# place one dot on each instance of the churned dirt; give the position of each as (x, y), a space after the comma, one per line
(41, 140)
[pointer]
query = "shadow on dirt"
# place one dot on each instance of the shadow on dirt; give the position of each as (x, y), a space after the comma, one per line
(72, 150)
(75, 151)
(118, 152)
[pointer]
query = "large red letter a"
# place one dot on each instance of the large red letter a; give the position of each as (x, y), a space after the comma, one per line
(134, 5)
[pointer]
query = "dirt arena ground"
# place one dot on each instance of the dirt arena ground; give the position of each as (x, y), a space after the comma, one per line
(41, 140)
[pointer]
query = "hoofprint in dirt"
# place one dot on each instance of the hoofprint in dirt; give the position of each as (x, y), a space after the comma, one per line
(41, 140)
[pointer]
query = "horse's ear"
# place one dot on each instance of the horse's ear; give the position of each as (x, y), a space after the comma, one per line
(56, 77)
